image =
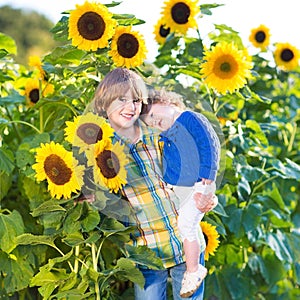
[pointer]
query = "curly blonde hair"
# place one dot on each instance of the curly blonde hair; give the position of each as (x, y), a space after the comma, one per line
(164, 97)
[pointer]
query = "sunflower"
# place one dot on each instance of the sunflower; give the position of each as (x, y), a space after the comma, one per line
(32, 90)
(161, 31)
(226, 68)
(91, 26)
(286, 56)
(128, 48)
(211, 238)
(62, 172)
(180, 15)
(35, 61)
(260, 37)
(86, 130)
(108, 162)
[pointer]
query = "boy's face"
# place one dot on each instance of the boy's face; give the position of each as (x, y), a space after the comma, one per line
(124, 111)
(160, 116)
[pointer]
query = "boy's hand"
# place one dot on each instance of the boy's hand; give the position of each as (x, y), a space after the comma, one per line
(205, 203)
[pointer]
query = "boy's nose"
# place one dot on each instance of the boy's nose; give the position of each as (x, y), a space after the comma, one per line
(130, 104)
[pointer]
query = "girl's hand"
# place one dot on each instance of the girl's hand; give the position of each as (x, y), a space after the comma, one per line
(205, 203)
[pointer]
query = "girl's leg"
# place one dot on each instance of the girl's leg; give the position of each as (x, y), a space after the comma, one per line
(188, 225)
(177, 274)
(155, 285)
(192, 253)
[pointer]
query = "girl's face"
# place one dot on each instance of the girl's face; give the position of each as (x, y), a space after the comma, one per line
(160, 116)
(124, 111)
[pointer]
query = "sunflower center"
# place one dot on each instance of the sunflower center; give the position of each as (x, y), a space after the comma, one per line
(180, 13)
(287, 55)
(90, 133)
(91, 26)
(57, 170)
(34, 95)
(128, 45)
(225, 67)
(260, 36)
(108, 163)
(163, 31)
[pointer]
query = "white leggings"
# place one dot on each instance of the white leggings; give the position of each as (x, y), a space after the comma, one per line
(189, 215)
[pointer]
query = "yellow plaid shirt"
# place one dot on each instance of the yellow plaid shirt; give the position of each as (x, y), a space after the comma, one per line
(152, 200)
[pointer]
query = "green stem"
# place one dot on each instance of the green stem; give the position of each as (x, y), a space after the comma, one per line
(99, 258)
(292, 139)
(76, 263)
(69, 106)
(14, 126)
(95, 266)
(25, 123)
(62, 254)
(41, 108)
(41, 120)
(263, 183)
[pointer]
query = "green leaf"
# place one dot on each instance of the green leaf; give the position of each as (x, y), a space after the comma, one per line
(72, 223)
(244, 189)
(3, 53)
(11, 226)
(127, 19)
(257, 134)
(46, 208)
(13, 98)
(30, 239)
(206, 8)
(6, 160)
(74, 239)
(252, 173)
(235, 220)
(130, 272)
(272, 269)
(65, 55)
(251, 217)
(275, 195)
(91, 221)
(277, 241)
(277, 219)
(5, 183)
(7, 43)
(110, 225)
(18, 272)
(292, 170)
(24, 158)
(144, 256)
(293, 240)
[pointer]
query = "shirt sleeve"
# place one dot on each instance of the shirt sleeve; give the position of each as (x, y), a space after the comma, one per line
(208, 144)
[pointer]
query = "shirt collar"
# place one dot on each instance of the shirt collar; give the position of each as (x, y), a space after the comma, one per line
(146, 135)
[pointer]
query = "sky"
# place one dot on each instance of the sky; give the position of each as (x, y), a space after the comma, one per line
(281, 17)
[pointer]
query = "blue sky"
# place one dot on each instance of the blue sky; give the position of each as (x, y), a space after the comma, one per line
(282, 17)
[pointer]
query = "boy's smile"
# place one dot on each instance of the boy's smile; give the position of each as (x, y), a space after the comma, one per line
(123, 112)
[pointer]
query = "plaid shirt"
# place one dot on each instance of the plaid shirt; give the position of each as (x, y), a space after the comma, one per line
(152, 200)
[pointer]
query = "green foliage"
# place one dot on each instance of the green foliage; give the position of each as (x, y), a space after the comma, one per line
(67, 249)
(30, 31)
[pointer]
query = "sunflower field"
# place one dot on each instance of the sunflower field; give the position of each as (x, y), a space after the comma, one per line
(53, 245)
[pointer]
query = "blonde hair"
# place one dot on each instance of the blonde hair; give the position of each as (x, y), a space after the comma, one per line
(114, 85)
(163, 97)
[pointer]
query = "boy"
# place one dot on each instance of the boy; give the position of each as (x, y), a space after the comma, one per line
(119, 98)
